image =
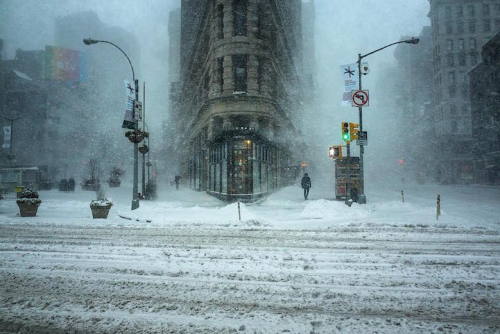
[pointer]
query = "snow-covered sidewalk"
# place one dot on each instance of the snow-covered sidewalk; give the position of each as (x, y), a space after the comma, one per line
(290, 266)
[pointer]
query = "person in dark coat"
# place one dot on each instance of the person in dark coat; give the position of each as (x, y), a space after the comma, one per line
(177, 181)
(306, 185)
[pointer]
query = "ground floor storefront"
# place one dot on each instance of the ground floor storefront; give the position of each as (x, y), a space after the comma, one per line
(241, 167)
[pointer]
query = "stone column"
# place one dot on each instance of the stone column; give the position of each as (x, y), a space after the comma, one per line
(210, 130)
(228, 18)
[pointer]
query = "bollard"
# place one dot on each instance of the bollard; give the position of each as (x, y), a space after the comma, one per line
(438, 207)
(239, 211)
(403, 196)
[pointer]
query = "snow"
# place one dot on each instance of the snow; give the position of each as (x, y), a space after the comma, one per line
(185, 263)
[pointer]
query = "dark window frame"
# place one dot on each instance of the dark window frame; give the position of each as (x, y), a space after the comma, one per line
(220, 21)
(240, 17)
(240, 72)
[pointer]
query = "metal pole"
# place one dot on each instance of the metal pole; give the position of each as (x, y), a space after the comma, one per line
(135, 197)
(11, 136)
(144, 129)
(362, 196)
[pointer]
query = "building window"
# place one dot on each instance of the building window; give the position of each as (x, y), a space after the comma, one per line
(453, 110)
(460, 11)
(486, 9)
(449, 45)
(447, 12)
(486, 25)
(274, 84)
(452, 91)
(449, 28)
(220, 73)
(260, 21)
(220, 21)
(472, 27)
(471, 10)
(450, 60)
(473, 59)
(473, 43)
(240, 17)
(461, 59)
(497, 9)
(451, 78)
(460, 27)
(454, 126)
(461, 44)
(240, 72)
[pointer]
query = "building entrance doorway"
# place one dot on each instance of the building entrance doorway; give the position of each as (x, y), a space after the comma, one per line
(241, 171)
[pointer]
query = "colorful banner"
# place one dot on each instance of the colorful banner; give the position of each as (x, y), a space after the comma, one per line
(7, 137)
(64, 64)
(128, 120)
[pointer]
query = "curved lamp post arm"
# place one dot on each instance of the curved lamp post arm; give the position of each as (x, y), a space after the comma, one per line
(89, 41)
(413, 40)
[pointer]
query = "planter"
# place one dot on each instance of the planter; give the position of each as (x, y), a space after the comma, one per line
(100, 209)
(28, 206)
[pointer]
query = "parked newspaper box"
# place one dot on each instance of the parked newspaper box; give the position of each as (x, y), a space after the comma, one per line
(347, 177)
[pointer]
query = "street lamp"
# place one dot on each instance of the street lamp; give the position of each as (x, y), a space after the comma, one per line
(362, 196)
(135, 197)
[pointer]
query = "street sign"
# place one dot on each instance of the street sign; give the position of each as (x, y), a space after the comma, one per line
(362, 138)
(351, 82)
(360, 98)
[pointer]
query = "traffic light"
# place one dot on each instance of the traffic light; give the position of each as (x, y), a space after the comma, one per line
(346, 136)
(354, 130)
(335, 152)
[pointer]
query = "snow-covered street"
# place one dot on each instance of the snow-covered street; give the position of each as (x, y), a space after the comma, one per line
(290, 266)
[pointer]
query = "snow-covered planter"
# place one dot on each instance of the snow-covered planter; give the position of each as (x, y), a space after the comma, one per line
(100, 208)
(28, 203)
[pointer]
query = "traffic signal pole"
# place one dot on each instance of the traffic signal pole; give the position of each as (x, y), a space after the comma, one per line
(362, 196)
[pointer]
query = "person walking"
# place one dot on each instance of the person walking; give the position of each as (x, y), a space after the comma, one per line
(306, 185)
(177, 181)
